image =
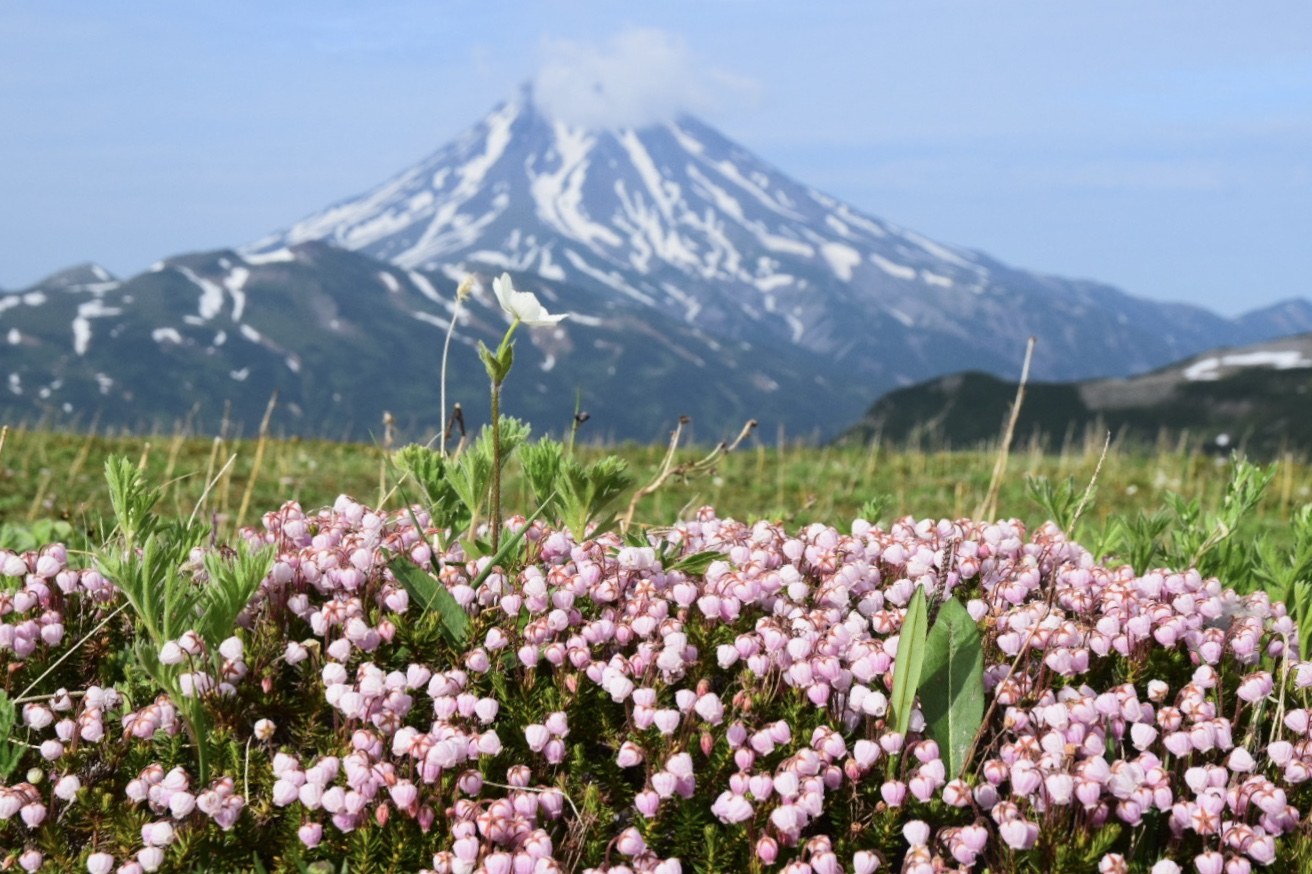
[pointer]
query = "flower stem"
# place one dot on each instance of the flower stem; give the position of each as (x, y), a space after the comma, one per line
(446, 349)
(496, 464)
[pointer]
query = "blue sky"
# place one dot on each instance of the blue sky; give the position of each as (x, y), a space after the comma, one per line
(1164, 147)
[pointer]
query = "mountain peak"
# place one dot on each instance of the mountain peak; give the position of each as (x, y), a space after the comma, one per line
(700, 280)
(676, 217)
(85, 275)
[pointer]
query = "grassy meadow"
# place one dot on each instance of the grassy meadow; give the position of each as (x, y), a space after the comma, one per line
(529, 655)
(48, 475)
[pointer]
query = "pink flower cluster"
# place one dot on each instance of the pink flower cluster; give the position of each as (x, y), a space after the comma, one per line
(758, 689)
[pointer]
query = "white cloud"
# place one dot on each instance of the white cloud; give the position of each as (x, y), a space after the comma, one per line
(640, 76)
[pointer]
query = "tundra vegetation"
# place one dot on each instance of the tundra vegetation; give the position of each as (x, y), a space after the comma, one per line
(525, 655)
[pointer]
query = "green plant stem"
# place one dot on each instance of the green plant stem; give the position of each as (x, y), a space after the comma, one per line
(446, 350)
(496, 464)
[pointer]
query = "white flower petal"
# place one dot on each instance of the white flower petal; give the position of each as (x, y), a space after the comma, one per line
(522, 305)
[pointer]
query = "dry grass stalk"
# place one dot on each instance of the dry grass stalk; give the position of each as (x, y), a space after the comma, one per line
(989, 506)
(692, 468)
(259, 456)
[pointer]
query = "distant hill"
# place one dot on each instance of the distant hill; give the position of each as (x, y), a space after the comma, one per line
(1257, 397)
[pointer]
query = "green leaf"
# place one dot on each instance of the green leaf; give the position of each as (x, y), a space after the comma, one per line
(541, 463)
(429, 469)
(910, 659)
(1057, 500)
(509, 545)
(952, 684)
(875, 508)
(233, 581)
(697, 563)
(130, 497)
(11, 749)
(431, 595)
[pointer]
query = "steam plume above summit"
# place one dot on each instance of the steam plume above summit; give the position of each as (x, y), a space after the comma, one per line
(640, 77)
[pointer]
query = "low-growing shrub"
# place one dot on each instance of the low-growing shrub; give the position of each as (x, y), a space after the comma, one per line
(715, 697)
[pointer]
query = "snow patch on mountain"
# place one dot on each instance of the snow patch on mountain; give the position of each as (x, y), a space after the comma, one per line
(211, 293)
(841, 259)
(1210, 368)
(272, 257)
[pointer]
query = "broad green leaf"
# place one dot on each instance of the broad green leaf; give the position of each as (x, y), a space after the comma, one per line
(952, 684)
(430, 594)
(910, 658)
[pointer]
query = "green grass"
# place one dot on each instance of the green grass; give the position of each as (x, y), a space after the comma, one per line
(51, 475)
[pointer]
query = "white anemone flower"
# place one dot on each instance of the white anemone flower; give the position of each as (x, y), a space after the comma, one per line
(522, 305)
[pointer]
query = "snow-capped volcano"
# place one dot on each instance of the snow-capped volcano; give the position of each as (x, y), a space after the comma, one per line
(678, 217)
(673, 216)
(699, 279)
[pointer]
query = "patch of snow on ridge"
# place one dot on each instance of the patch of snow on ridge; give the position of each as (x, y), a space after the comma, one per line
(841, 259)
(796, 326)
(81, 335)
(211, 293)
(940, 252)
(898, 271)
(770, 283)
(838, 227)
(859, 221)
(272, 257)
(101, 273)
(614, 280)
(935, 279)
(731, 172)
(14, 337)
(548, 269)
(650, 232)
(34, 298)
(437, 321)
(558, 195)
(390, 281)
(686, 141)
(250, 333)
(1208, 369)
(169, 335)
(235, 282)
(665, 198)
(425, 287)
(92, 309)
(691, 305)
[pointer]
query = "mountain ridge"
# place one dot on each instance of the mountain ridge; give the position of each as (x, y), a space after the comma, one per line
(1253, 397)
(699, 278)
